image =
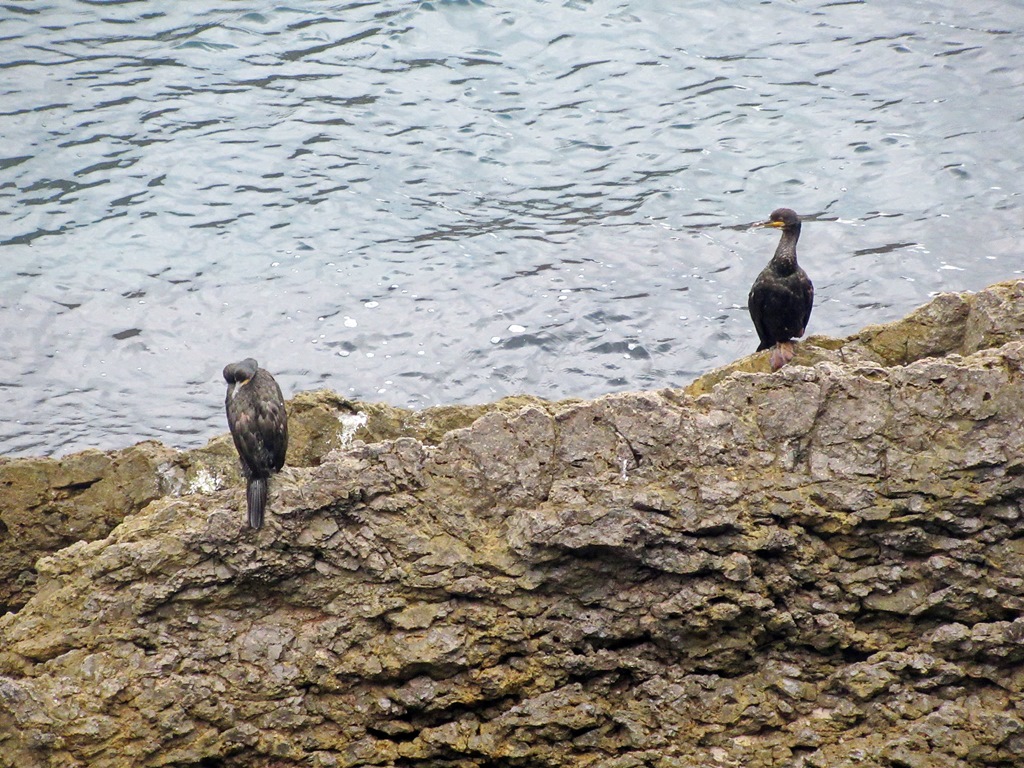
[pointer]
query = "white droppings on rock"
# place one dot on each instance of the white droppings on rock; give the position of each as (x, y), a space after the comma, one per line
(204, 481)
(350, 424)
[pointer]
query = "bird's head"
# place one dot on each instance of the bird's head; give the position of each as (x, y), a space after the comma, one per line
(240, 373)
(784, 219)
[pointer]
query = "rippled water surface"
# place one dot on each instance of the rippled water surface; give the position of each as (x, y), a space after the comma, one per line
(444, 202)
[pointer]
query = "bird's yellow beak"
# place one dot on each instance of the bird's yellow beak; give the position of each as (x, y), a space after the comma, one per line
(772, 224)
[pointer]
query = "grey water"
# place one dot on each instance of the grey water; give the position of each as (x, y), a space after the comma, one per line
(452, 201)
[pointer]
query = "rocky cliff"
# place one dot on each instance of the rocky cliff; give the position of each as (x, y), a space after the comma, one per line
(822, 567)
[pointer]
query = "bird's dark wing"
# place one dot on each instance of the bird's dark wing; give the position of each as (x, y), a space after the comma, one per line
(242, 418)
(276, 427)
(259, 427)
(270, 421)
(808, 299)
(757, 304)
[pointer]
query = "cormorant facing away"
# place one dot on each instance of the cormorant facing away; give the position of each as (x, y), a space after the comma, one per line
(259, 426)
(781, 298)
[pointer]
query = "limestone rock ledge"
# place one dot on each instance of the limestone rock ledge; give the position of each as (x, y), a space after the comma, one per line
(822, 567)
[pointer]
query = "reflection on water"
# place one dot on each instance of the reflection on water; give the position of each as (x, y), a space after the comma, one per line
(452, 201)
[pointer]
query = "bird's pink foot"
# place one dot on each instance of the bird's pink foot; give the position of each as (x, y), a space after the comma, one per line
(781, 354)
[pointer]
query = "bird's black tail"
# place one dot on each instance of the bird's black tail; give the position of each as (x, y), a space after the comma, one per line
(256, 498)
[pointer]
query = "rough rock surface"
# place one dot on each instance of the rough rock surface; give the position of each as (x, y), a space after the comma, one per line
(822, 567)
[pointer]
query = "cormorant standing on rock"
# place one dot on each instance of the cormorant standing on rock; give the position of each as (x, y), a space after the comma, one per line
(259, 426)
(781, 298)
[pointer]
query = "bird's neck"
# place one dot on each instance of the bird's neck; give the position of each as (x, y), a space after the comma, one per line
(784, 259)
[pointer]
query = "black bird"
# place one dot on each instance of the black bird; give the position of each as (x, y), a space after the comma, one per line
(781, 298)
(259, 426)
